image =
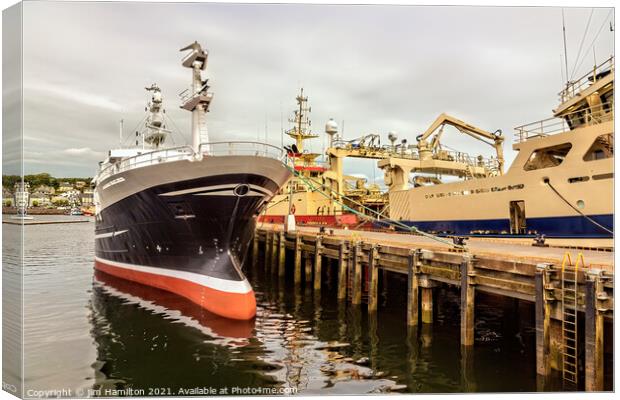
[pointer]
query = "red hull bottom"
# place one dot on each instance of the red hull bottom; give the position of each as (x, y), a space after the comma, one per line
(241, 306)
(325, 220)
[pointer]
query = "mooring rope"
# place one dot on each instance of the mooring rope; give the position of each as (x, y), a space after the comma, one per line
(576, 209)
(406, 227)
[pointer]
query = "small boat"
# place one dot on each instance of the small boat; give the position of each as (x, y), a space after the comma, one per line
(75, 211)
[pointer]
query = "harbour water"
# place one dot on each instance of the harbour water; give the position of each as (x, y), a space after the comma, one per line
(97, 335)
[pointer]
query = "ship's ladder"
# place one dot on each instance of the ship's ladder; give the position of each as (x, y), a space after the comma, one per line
(569, 317)
(203, 129)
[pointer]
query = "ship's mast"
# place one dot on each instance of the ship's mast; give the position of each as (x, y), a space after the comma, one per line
(301, 130)
(156, 131)
(197, 99)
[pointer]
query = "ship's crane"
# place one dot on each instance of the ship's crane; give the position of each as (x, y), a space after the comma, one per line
(426, 150)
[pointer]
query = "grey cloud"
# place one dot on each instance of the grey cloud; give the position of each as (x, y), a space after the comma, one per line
(378, 68)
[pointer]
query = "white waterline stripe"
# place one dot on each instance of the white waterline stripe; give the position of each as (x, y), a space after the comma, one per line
(223, 285)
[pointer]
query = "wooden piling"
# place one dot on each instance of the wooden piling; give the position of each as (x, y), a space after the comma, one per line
(412, 288)
(357, 274)
(594, 334)
(297, 263)
(255, 249)
(501, 275)
(318, 259)
(468, 371)
(308, 267)
(543, 315)
(427, 305)
(282, 255)
(274, 251)
(373, 289)
(267, 250)
(342, 270)
(467, 302)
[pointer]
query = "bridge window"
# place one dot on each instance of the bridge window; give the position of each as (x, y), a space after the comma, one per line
(602, 148)
(547, 157)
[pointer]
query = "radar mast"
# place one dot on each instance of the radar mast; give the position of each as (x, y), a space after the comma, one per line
(301, 128)
(197, 98)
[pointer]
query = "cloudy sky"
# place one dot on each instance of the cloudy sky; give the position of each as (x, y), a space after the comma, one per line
(377, 68)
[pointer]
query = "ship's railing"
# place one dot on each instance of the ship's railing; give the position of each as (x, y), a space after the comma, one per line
(573, 88)
(211, 149)
(581, 117)
(411, 153)
(147, 158)
(190, 93)
(242, 148)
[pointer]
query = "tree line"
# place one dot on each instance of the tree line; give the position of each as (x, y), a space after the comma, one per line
(9, 181)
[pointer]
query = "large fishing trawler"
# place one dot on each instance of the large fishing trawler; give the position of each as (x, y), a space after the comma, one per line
(560, 184)
(306, 196)
(181, 218)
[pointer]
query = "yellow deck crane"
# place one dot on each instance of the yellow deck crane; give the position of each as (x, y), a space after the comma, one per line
(433, 149)
(428, 157)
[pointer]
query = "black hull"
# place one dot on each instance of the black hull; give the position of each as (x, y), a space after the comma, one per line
(195, 230)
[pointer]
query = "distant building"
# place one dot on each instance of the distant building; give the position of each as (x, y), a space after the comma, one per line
(80, 184)
(64, 187)
(45, 189)
(87, 197)
(40, 199)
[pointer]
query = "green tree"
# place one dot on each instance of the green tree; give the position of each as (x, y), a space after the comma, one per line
(9, 181)
(61, 202)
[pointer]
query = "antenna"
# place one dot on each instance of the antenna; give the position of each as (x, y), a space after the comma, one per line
(565, 53)
(266, 129)
(562, 68)
(120, 133)
(281, 126)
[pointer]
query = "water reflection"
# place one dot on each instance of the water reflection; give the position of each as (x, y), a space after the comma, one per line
(146, 337)
(173, 307)
(110, 333)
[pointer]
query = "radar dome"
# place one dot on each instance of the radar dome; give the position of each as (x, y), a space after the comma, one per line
(392, 136)
(331, 127)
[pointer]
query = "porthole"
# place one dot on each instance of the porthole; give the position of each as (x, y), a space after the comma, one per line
(581, 204)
